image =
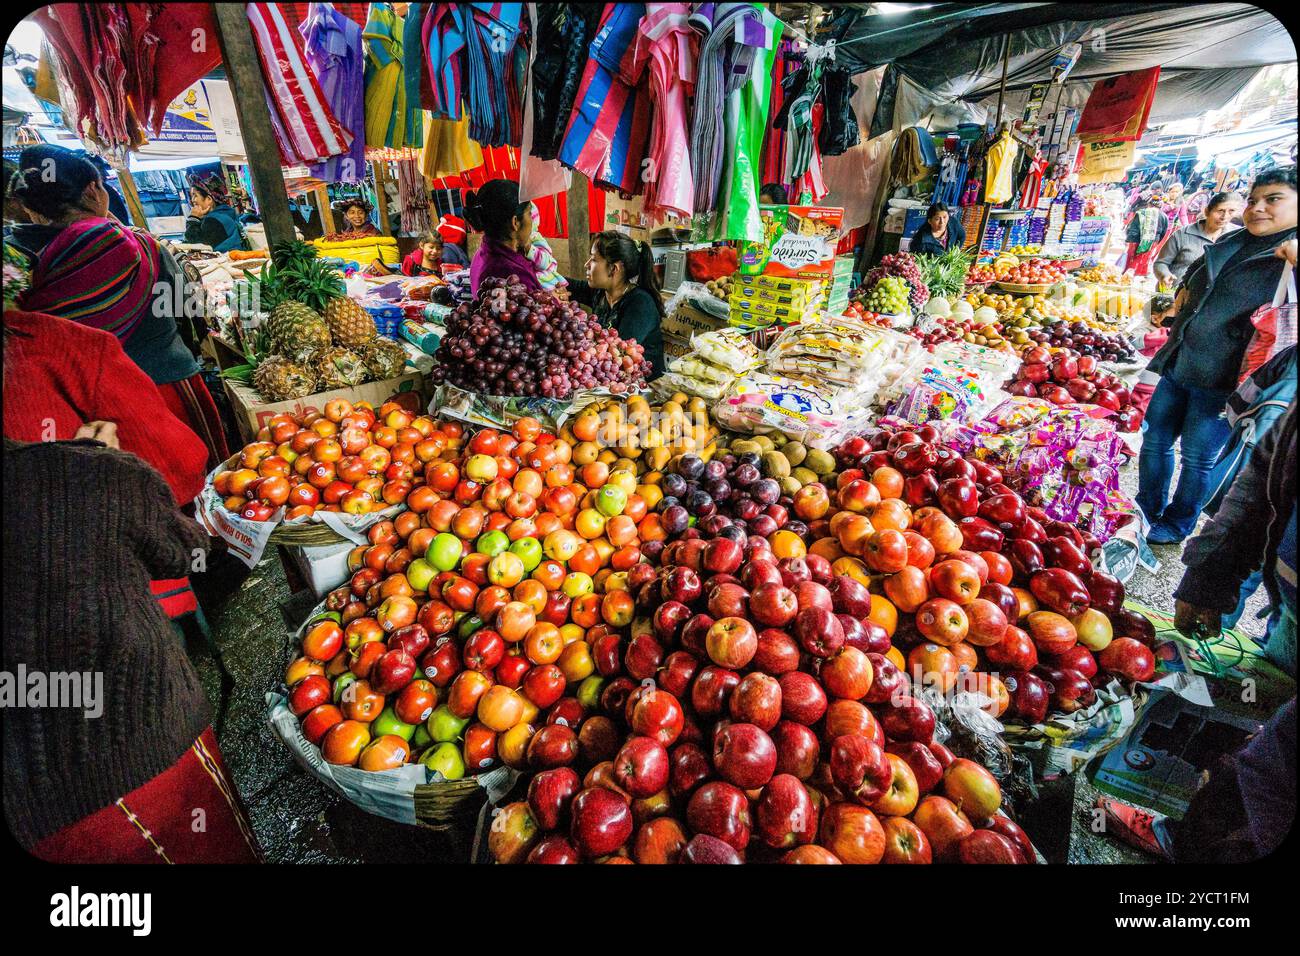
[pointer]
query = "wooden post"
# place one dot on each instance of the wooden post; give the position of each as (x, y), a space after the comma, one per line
(131, 194)
(380, 166)
(322, 195)
(579, 224)
(249, 93)
(1002, 86)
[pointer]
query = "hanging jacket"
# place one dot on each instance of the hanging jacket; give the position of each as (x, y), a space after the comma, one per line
(563, 34)
(839, 132)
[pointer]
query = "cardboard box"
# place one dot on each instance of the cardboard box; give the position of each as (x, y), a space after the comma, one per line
(323, 568)
(675, 347)
(797, 241)
(251, 413)
(688, 320)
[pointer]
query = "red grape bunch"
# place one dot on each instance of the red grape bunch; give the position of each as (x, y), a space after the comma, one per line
(516, 342)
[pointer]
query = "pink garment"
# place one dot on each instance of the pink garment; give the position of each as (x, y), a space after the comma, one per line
(669, 46)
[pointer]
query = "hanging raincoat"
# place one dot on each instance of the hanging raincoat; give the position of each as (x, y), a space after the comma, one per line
(609, 128)
(385, 89)
(493, 73)
(667, 45)
(443, 33)
(563, 35)
(731, 108)
(332, 44)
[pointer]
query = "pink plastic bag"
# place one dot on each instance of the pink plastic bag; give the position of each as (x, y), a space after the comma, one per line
(1275, 326)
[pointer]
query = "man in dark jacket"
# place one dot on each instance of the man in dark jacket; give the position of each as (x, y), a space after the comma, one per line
(1247, 807)
(1200, 364)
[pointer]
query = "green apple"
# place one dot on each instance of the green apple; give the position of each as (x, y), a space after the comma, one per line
(341, 683)
(576, 584)
(446, 760)
(492, 543)
(420, 573)
(589, 693)
(529, 551)
(421, 738)
(444, 726)
(389, 723)
(444, 551)
(611, 500)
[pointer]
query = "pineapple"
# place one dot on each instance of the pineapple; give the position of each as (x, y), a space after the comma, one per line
(297, 330)
(292, 256)
(338, 368)
(384, 359)
(314, 282)
(277, 379)
(350, 324)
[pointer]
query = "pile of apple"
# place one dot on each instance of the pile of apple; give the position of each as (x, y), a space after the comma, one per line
(350, 459)
(472, 613)
(757, 710)
(753, 716)
(1035, 272)
(1066, 377)
(993, 584)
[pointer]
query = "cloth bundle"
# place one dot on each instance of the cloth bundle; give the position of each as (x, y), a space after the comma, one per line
(122, 64)
(305, 127)
(332, 45)
(731, 106)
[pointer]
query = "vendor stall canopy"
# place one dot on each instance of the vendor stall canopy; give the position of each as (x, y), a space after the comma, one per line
(947, 52)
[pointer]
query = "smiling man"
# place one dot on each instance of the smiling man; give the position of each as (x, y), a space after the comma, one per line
(1200, 364)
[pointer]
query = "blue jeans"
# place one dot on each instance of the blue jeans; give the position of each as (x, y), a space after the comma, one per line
(1248, 588)
(1194, 418)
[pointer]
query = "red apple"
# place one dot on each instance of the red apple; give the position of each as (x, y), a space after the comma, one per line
(601, 822)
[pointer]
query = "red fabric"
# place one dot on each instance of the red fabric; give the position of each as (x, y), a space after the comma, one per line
(158, 822)
(61, 374)
(175, 595)
(191, 402)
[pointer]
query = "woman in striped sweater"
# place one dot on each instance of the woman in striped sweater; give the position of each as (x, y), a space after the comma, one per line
(88, 267)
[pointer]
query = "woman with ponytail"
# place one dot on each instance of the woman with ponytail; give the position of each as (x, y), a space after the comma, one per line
(507, 227)
(623, 291)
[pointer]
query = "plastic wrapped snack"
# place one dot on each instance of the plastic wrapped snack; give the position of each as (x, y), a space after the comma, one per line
(729, 348)
(807, 411)
(693, 368)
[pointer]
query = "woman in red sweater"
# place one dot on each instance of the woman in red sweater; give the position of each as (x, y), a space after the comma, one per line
(61, 375)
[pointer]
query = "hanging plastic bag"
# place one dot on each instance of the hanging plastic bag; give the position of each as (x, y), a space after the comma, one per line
(1275, 326)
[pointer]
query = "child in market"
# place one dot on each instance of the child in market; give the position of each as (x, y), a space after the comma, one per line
(426, 258)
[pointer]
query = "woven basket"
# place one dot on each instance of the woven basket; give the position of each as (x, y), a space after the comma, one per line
(305, 534)
(453, 804)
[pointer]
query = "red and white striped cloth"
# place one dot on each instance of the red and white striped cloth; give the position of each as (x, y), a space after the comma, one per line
(305, 126)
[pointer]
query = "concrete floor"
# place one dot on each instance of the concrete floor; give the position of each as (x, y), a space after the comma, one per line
(298, 820)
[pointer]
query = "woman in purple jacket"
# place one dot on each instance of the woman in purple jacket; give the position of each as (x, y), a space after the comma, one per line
(507, 227)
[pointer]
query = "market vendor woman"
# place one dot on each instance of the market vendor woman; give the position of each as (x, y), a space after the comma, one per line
(940, 232)
(212, 220)
(356, 220)
(623, 291)
(507, 227)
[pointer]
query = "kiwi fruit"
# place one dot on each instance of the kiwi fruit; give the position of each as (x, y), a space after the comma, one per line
(819, 462)
(795, 452)
(805, 475)
(775, 465)
(789, 484)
